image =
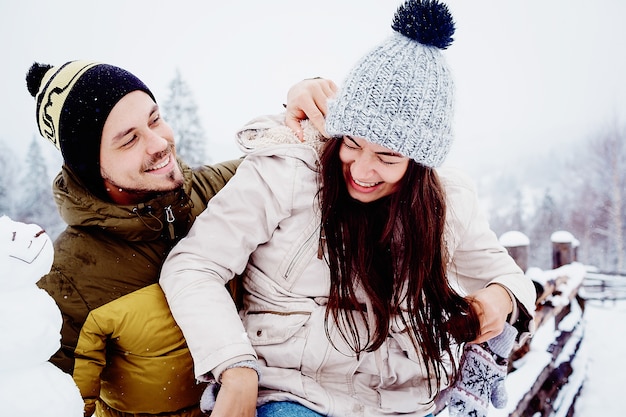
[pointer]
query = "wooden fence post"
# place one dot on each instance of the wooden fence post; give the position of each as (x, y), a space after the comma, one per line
(562, 248)
(516, 243)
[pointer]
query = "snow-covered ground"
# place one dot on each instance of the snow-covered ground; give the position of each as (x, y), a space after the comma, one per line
(605, 346)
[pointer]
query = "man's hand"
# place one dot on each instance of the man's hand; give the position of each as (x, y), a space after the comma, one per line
(308, 100)
(493, 304)
(238, 393)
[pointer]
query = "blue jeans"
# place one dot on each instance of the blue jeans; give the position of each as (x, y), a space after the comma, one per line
(288, 409)
(285, 409)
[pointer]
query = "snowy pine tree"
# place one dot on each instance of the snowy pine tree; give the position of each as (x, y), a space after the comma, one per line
(36, 204)
(181, 113)
(601, 198)
(7, 180)
(547, 220)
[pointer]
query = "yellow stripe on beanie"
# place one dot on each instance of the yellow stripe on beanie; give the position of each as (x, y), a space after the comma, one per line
(57, 84)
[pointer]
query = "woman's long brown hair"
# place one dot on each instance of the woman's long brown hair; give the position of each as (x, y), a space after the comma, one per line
(393, 251)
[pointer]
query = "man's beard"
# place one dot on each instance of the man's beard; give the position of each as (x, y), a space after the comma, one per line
(174, 183)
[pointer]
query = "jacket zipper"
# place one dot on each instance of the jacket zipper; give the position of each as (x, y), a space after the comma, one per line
(169, 218)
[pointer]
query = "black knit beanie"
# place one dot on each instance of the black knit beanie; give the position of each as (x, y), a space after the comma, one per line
(73, 102)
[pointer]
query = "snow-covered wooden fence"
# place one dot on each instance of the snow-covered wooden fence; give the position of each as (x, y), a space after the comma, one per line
(604, 286)
(546, 373)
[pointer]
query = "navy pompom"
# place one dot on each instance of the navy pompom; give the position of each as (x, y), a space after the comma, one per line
(426, 21)
(34, 76)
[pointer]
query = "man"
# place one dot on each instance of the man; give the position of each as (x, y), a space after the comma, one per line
(127, 200)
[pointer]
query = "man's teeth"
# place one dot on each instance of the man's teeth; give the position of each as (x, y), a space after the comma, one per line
(161, 165)
(365, 184)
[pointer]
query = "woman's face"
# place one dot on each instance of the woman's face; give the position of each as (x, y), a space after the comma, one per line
(369, 170)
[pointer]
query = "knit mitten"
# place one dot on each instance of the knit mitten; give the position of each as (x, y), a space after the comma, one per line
(209, 395)
(207, 401)
(481, 378)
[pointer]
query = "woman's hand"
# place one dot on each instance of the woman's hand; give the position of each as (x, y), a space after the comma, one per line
(308, 100)
(492, 304)
(238, 393)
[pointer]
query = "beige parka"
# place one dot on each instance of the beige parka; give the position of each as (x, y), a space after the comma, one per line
(265, 224)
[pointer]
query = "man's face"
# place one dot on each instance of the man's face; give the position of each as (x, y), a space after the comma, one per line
(137, 153)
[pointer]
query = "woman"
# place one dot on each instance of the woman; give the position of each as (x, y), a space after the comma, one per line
(365, 267)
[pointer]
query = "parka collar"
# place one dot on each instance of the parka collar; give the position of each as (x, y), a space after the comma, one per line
(146, 221)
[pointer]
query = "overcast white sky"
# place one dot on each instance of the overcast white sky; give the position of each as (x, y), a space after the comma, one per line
(530, 74)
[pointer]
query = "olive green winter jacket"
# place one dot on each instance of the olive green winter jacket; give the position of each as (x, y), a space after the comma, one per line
(110, 251)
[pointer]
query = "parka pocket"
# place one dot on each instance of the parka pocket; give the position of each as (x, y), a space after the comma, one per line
(403, 382)
(328, 357)
(304, 248)
(278, 338)
(301, 257)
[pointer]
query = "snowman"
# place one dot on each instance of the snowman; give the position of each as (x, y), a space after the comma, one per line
(30, 325)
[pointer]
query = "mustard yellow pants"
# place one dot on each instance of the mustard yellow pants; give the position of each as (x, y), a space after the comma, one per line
(103, 410)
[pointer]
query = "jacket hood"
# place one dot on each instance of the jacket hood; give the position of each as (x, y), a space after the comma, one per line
(266, 131)
(145, 221)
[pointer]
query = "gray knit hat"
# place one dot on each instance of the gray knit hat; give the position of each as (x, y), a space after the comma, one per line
(400, 95)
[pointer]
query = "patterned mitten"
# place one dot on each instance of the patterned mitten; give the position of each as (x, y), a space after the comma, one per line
(481, 379)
